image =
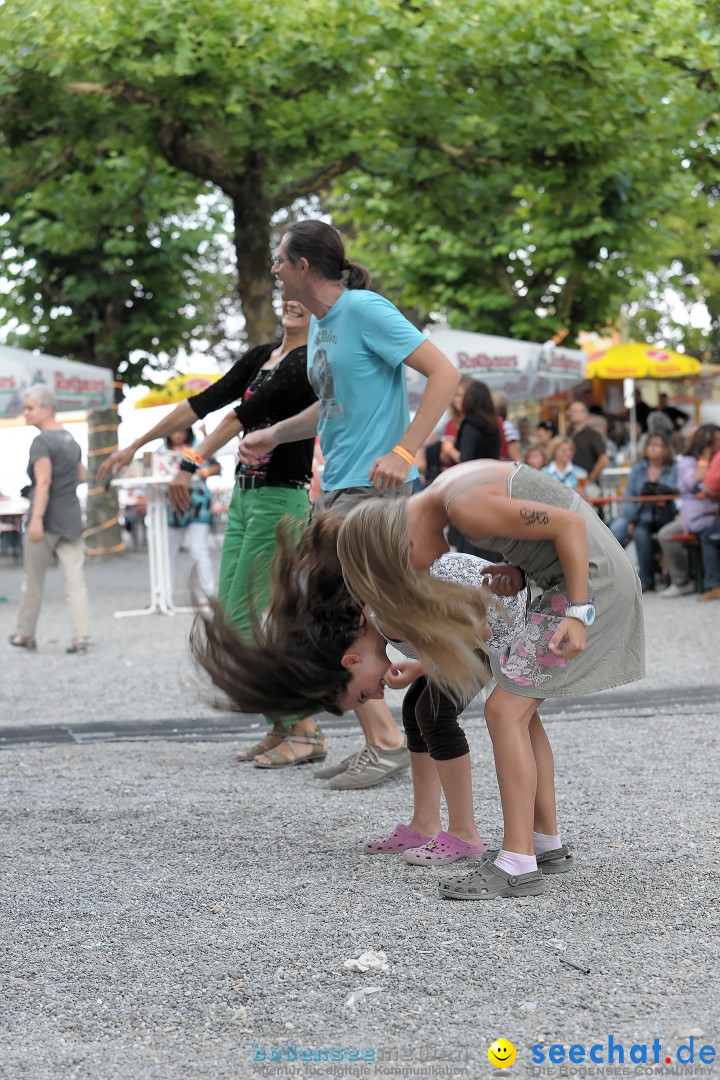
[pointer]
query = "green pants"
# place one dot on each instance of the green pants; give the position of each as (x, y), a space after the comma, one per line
(249, 547)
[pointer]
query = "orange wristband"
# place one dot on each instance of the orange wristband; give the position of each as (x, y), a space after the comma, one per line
(192, 456)
(404, 454)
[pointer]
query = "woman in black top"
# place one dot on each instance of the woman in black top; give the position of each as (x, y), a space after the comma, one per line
(479, 433)
(271, 384)
(477, 437)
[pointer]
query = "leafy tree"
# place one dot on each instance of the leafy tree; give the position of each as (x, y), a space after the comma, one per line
(266, 102)
(503, 164)
(112, 263)
(539, 194)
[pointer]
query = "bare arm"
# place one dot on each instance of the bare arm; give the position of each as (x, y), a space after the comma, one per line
(227, 429)
(181, 417)
(496, 515)
(82, 473)
(42, 473)
(443, 379)
(391, 470)
(602, 463)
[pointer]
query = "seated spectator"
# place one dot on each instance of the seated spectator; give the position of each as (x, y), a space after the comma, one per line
(680, 439)
(640, 521)
(510, 436)
(696, 514)
(710, 536)
(524, 428)
(545, 432)
(657, 424)
(561, 465)
(536, 456)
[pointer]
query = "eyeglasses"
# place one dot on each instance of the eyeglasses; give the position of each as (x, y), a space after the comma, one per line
(278, 260)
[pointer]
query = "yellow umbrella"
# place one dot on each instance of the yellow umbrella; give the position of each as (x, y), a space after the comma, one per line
(176, 389)
(637, 361)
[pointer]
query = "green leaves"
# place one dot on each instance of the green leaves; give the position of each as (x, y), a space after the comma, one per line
(511, 165)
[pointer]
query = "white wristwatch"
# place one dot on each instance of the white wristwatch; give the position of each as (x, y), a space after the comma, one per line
(584, 612)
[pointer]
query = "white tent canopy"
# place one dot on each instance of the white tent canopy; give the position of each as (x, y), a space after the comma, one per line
(523, 369)
(75, 386)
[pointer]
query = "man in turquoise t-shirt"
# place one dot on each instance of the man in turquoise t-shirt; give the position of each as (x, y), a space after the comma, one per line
(357, 348)
(355, 366)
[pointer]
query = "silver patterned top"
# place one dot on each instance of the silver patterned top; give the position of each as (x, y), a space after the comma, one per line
(468, 570)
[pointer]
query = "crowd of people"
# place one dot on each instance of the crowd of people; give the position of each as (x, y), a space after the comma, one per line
(538, 594)
(669, 507)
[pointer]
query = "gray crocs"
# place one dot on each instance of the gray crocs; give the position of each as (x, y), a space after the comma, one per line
(557, 861)
(489, 882)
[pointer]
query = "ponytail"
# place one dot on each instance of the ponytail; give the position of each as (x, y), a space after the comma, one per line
(356, 275)
(322, 246)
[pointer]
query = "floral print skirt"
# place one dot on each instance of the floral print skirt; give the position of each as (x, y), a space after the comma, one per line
(528, 668)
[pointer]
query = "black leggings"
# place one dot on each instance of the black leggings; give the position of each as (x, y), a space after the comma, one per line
(430, 719)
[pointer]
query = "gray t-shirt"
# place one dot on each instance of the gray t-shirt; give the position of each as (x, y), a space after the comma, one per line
(62, 516)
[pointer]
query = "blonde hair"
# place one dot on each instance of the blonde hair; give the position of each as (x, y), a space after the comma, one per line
(557, 442)
(442, 621)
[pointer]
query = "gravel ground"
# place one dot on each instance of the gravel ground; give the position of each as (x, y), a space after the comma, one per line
(167, 913)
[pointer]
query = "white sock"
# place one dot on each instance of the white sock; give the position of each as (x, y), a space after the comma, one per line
(513, 863)
(542, 842)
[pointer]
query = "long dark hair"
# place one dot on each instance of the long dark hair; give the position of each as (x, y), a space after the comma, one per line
(701, 440)
(322, 246)
(669, 455)
(291, 663)
(477, 401)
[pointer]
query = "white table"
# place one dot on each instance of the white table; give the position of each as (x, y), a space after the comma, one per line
(156, 526)
(12, 512)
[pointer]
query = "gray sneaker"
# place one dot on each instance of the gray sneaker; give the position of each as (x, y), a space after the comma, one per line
(371, 766)
(329, 771)
(673, 591)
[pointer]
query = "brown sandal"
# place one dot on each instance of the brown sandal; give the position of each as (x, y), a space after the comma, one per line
(304, 738)
(277, 732)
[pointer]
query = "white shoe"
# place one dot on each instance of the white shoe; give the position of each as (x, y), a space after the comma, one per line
(678, 590)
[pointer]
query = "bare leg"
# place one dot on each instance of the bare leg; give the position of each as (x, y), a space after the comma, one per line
(379, 725)
(508, 720)
(545, 808)
(426, 795)
(456, 779)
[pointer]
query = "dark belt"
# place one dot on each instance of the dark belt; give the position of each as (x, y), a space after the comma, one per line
(250, 481)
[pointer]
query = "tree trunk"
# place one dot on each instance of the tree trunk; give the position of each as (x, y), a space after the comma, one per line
(252, 250)
(103, 531)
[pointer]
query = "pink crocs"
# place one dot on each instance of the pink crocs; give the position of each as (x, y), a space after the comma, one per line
(400, 839)
(443, 848)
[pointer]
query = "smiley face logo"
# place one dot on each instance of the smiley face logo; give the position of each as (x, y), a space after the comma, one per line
(502, 1053)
